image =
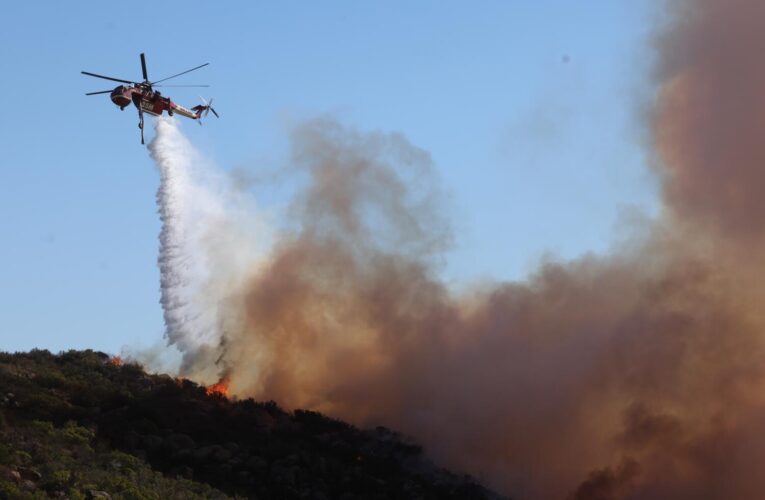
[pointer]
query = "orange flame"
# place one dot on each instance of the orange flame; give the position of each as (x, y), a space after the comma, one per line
(221, 388)
(116, 361)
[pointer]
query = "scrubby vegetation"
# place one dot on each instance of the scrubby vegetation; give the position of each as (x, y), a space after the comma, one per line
(75, 425)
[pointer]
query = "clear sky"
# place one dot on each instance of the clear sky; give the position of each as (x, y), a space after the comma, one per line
(529, 109)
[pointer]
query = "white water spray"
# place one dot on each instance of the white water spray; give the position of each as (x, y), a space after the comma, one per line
(206, 225)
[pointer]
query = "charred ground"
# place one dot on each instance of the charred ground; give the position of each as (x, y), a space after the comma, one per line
(78, 425)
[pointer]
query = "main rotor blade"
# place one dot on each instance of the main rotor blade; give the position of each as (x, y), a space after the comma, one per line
(180, 85)
(214, 112)
(181, 73)
(101, 92)
(143, 67)
(107, 77)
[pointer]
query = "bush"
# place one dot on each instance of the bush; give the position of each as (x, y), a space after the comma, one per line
(81, 423)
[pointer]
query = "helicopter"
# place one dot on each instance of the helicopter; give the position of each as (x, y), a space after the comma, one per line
(148, 100)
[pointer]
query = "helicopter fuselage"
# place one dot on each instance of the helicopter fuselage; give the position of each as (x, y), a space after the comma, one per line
(150, 101)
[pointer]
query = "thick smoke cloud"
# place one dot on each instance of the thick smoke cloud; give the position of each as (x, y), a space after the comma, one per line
(711, 113)
(634, 375)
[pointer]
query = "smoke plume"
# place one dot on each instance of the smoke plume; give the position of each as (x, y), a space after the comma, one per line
(633, 375)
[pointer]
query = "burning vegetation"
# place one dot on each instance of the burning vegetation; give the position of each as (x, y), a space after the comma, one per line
(220, 388)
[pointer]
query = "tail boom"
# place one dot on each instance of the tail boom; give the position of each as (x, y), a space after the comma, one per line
(194, 113)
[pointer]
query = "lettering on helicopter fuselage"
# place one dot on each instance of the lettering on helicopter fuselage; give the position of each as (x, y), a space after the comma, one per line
(148, 107)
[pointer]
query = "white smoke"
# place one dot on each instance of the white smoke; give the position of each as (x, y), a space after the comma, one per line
(207, 224)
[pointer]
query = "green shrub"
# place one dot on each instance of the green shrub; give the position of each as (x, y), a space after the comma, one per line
(75, 494)
(21, 457)
(11, 491)
(41, 406)
(73, 433)
(60, 480)
(43, 426)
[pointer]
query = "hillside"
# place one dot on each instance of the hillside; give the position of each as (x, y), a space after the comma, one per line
(77, 425)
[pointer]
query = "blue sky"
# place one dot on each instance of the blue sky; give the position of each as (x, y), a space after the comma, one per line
(529, 109)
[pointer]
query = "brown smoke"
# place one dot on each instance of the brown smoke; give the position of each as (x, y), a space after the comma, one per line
(636, 375)
(711, 113)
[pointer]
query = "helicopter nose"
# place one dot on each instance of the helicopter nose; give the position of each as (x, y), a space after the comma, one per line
(119, 98)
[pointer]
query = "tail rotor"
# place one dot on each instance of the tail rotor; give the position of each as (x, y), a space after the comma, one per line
(206, 108)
